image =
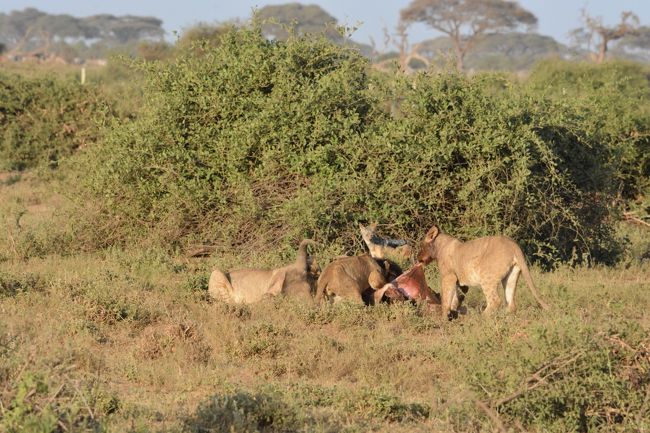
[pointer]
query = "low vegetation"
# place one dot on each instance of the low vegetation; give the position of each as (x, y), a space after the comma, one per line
(46, 119)
(128, 341)
(107, 326)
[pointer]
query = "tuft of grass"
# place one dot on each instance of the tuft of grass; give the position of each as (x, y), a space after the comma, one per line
(14, 284)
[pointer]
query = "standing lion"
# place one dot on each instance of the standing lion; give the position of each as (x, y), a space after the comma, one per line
(485, 262)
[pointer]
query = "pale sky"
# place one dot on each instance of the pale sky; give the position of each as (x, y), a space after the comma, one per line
(556, 17)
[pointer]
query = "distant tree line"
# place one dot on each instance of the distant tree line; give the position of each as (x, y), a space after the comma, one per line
(471, 34)
(32, 32)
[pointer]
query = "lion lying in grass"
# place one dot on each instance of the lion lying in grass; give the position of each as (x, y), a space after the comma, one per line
(251, 285)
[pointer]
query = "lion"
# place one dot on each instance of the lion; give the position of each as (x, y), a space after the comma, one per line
(352, 277)
(483, 262)
(246, 286)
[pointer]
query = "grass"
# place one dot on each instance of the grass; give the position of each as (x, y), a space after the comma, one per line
(128, 341)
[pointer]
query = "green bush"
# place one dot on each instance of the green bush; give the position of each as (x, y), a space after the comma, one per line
(597, 381)
(201, 36)
(261, 340)
(36, 407)
(606, 107)
(243, 412)
(485, 156)
(243, 144)
(11, 285)
(45, 119)
(253, 144)
(302, 407)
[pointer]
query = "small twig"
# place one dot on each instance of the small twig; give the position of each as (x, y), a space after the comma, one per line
(18, 217)
(29, 394)
(13, 243)
(201, 251)
(646, 399)
(60, 424)
(90, 412)
(535, 380)
(20, 373)
(55, 395)
(616, 339)
(519, 426)
(628, 216)
(492, 415)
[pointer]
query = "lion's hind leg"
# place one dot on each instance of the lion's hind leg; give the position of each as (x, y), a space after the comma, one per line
(449, 299)
(459, 297)
(492, 296)
(219, 287)
(510, 285)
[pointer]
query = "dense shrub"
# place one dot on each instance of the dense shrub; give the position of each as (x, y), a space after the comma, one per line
(299, 408)
(255, 143)
(45, 119)
(11, 285)
(243, 412)
(201, 36)
(607, 108)
(583, 380)
(480, 156)
(594, 391)
(244, 144)
(35, 408)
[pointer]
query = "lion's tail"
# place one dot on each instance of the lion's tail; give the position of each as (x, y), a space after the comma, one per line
(521, 261)
(301, 258)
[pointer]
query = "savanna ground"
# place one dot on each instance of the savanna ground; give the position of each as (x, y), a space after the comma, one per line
(127, 340)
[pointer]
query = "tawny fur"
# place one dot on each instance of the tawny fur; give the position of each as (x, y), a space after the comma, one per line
(247, 286)
(485, 262)
(350, 277)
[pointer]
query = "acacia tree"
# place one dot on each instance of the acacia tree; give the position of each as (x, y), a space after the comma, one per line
(467, 21)
(595, 29)
(209, 35)
(304, 19)
(406, 50)
(637, 43)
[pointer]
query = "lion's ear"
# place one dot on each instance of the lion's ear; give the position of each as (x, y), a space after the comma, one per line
(373, 226)
(431, 234)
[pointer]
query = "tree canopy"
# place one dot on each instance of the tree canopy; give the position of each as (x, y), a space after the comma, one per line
(208, 34)
(466, 21)
(304, 19)
(634, 46)
(639, 39)
(595, 31)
